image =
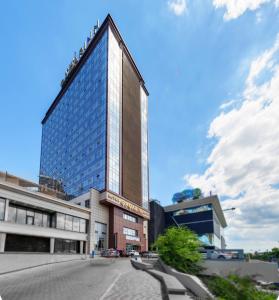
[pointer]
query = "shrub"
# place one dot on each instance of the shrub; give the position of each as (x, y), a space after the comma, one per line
(236, 288)
(178, 248)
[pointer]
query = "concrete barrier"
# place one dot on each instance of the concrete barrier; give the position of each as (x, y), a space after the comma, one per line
(173, 286)
(259, 270)
(191, 282)
(15, 262)
(141, 265)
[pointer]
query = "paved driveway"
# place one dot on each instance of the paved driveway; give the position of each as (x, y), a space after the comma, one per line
(100, 280)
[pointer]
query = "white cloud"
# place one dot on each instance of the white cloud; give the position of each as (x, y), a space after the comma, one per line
(227, 104)
(243, 165)
(259, 17)
(178, 7)
(235, 8)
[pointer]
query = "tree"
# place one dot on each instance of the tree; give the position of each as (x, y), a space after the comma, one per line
(275, 252)
(178, 248)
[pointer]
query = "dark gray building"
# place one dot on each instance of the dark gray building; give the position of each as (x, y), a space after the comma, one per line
(204, 216)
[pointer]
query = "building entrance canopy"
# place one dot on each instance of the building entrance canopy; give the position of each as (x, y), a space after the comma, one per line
(111, 199)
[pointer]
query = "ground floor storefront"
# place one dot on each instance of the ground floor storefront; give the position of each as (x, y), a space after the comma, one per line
(36, 244)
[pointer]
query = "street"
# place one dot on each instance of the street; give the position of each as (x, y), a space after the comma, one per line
(96, 280)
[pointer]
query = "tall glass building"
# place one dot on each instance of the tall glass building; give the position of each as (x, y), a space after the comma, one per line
(95, 133)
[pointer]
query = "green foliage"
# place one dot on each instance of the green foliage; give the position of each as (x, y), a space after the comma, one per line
(266, 256)
(236, 288)
(275, 252)
(178, 248)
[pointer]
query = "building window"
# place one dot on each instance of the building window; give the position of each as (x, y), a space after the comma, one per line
(76, 224)
(130, 232)
(82, 226)
(70, 223)
(2, 209)
(12, 214)
(30, 220)
(87, 203)
(130, 218)
(46, 220)
(193, 210)
(100, 236)
(60, 221)
(21, 216)
(38, 220)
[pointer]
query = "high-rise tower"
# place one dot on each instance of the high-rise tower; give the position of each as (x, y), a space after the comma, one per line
(94, 135)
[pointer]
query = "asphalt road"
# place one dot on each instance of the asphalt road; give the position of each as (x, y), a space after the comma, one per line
(97, 280)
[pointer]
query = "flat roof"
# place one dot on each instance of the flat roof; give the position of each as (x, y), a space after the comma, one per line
(214, 200)
(107, 22)
(27, 190)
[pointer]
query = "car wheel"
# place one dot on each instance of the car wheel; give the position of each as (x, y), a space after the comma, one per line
(221, 257)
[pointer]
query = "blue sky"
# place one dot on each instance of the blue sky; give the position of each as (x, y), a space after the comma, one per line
(195, 55)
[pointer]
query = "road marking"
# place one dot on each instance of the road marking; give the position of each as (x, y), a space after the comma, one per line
(110, 287)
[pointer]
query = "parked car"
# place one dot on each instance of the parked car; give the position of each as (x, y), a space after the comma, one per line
(204, 254)
(135, 253)
(132, 252)
(149, 254)
(110, 253)
(219, 255)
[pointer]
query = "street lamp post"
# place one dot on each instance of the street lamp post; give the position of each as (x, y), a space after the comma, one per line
(227, 209)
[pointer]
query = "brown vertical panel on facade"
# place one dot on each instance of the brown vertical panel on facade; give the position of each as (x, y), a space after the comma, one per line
(111, 239)
(131, 134)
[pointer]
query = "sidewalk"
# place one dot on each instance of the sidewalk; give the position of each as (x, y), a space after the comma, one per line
(100, 279)
(135, 285)
(14, 262)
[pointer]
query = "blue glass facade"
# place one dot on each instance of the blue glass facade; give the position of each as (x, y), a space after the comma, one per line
(83, 141)
(74, 135)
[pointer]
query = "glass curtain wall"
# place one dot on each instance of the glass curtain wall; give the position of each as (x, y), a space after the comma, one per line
(144, 148)
(74, 135)
(114, 112)
(100, 236)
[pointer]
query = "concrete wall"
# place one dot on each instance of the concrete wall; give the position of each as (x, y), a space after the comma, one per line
(13, 228)
(259, 270)
(191, 282)
(13, 262)
(21, 195)
(99, 213)
(26, 198)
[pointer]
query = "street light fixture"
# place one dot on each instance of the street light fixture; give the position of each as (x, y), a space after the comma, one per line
(227, 209)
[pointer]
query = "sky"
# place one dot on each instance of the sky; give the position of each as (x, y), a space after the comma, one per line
(212, 71)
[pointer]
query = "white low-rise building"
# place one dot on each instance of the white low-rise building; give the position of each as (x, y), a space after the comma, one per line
(33, 218)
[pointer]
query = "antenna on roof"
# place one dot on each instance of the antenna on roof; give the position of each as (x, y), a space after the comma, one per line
(96, 27)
